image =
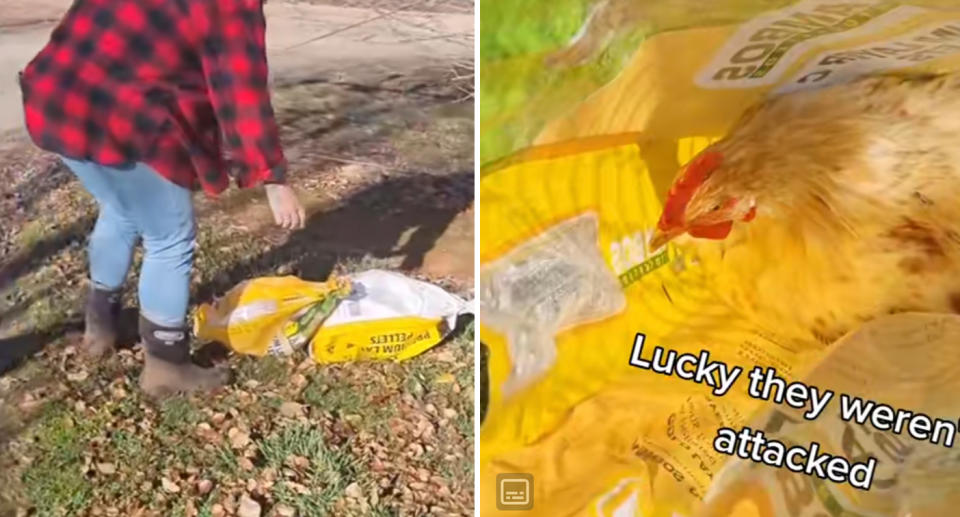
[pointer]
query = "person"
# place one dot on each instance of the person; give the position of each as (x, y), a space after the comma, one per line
(147, 101)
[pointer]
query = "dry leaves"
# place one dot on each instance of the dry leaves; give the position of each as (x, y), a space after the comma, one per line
(248, 507)
(78, 376)
(354, 491)
(169, 486)
(283, 510)
(238, 438)
(291, 409)
(204, 486)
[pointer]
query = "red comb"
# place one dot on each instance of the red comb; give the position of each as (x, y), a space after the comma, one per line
(682, 190)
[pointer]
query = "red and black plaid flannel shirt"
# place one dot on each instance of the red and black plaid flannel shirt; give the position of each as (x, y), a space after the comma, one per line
(164, 82)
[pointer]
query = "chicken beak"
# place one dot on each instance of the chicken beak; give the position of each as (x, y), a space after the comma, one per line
(661, 238)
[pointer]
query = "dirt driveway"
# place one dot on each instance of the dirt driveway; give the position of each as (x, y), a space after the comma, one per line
(356, 42)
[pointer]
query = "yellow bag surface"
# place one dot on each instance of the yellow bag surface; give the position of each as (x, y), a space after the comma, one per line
(907, 361)
(372, 315)
(601, 438)
(590, 423)
(264, 312)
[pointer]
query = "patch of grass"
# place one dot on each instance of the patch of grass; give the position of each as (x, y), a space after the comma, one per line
(221, 247)
(421, 375)
(46, 313)
(464, 424)
(340, 398)
(206, 510)
(447, 143)
(125, 408)
(127, 444)
(313, 394)
(327, 475)
(434, 460)
(179, 509)
(273, 402)
(465, 342)
(264, 370)
(335, 398)
(180, 453)
(178, 414)
(226, 463)
(55, 480)
(31, 234)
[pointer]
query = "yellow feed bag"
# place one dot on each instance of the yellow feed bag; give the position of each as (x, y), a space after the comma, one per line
(373, 315)
(263, 313)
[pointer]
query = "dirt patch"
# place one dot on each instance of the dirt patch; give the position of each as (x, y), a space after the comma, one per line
(449, 258)
(305, 41)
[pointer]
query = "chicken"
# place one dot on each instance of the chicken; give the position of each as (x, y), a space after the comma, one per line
(826, 208)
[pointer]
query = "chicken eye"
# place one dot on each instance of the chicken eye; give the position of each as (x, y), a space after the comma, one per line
(716, 208)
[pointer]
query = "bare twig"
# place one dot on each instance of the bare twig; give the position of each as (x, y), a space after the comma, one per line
(452, 37)
(358, 24)
(462, 78)
(26, 23)
(349, 160)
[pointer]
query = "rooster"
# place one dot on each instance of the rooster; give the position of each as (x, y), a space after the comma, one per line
(829, 207)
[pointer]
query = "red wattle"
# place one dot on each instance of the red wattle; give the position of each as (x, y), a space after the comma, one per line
(717, 231)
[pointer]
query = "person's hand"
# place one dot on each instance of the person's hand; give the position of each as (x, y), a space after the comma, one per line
(287, 210)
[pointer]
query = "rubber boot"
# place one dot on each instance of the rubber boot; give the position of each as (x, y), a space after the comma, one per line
(168, 368)
(100, 329)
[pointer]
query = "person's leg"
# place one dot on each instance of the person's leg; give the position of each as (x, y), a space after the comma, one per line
(110, 252)
(163, 215)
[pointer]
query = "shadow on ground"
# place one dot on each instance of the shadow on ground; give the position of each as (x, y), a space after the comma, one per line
(370, 223)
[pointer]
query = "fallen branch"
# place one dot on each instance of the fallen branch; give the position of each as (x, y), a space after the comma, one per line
(350, 161)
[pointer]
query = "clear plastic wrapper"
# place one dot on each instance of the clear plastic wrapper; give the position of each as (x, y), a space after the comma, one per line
(551, 283)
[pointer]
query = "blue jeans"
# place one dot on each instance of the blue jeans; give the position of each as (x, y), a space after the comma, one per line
(136, 202)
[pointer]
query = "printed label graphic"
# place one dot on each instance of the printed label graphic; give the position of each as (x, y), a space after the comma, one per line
(765, 47)
(632, 260)
(931, 42)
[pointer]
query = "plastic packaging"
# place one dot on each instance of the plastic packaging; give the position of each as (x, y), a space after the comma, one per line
(387, 316)
(551, 283)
